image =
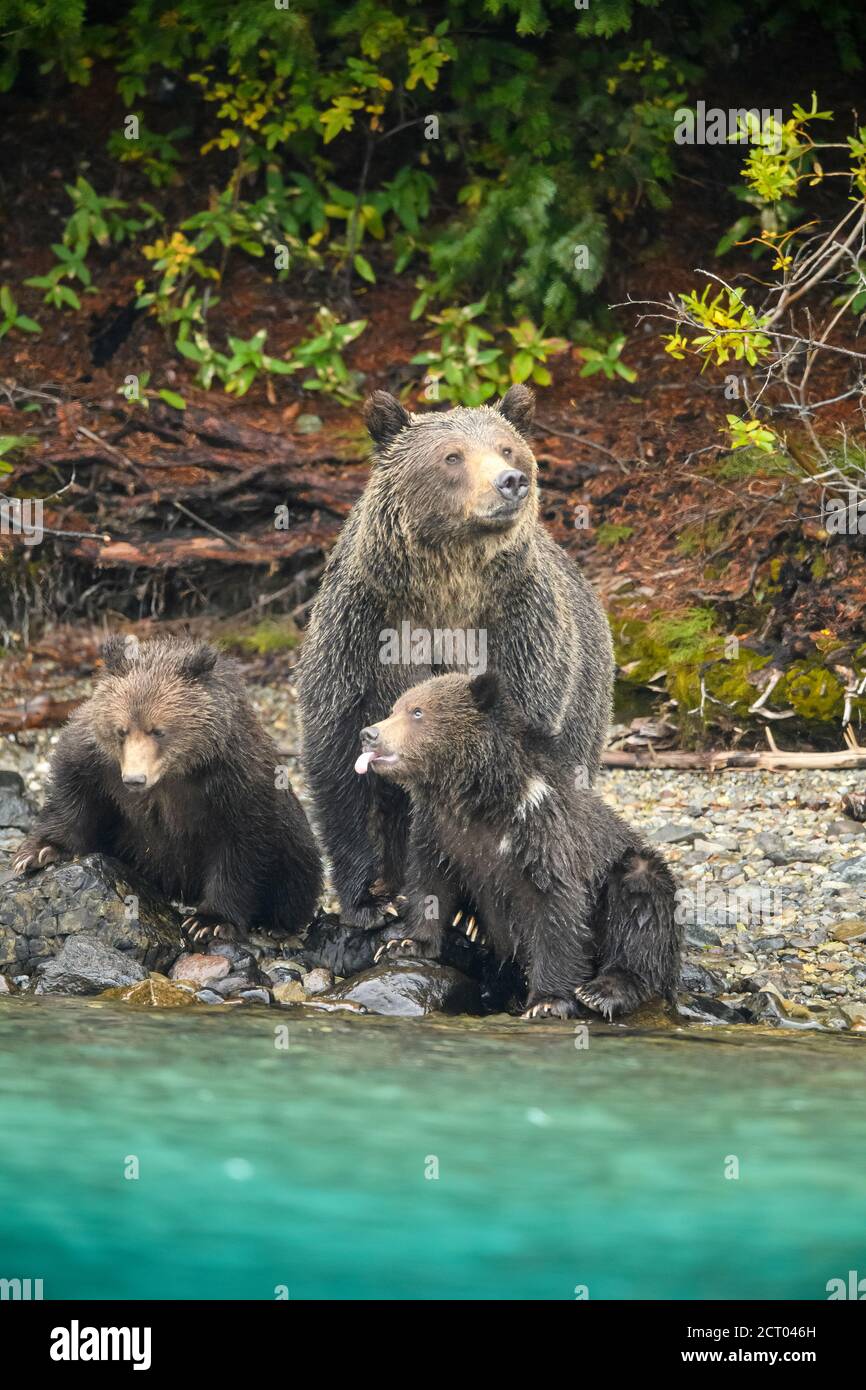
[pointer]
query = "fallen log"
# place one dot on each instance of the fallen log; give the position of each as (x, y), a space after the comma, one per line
(174, 552)
(735, 760)
(41, 712)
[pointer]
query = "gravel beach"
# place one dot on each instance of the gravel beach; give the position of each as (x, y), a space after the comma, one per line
(771, 873)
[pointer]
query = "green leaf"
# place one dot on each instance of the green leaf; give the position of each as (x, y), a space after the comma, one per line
(364, 269)
(521, 366)
(173, 399)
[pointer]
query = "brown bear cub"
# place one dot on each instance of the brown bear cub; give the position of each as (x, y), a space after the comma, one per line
(445, 547)
(561, 882)
(167, 768)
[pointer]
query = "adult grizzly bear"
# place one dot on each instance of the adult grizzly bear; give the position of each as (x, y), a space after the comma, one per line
(562, 884)
(445, 540)
(167, 768)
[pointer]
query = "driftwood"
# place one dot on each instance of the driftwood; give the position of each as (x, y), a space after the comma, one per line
(183, 549)
(758, 761)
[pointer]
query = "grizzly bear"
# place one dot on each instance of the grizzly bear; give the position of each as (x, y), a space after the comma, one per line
(561, 882)
(167, 768)
(442, 564)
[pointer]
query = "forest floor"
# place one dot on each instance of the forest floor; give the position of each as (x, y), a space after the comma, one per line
(171, 512)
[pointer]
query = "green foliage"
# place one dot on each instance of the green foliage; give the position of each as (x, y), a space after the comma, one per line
(460, 368)
(467, 367)
(10, 444)
(322, 354)
(751, 434)
(609, 534)
(606, 360)
(11, 317)
(237, 369)
(337, 136)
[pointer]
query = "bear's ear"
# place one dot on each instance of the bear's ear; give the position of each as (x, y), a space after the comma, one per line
(385, 417)
(199, 661)
(114, 655)
(518, 408)
(484, 690)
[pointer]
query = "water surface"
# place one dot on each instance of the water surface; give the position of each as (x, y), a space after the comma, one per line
(306, 1168)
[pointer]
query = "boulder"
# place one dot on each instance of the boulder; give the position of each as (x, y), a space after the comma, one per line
(95, 896)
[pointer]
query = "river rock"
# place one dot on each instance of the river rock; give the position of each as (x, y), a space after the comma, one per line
(849, 929)
(86, 965)
(199, 970)
(411, 988)
(671, 834)
(96, 896)
(318, 981)
(290, 992)
(698, 980)
(17, 811)
(852, 872)
(700, 1008)
(156, 992)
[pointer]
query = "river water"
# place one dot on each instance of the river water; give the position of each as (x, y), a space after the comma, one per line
(217, 1153)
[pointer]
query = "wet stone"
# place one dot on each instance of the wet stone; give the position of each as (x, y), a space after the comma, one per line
(86, 965)
(156, 992)
(199, 970)
(318, 981)
(95, 896)
(17, 811)
(411, 989)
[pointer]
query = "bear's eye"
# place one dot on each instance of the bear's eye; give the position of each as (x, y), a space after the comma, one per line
(122, 733)
(454, 458)
(506, 452)
(156, 733)
(417, 714)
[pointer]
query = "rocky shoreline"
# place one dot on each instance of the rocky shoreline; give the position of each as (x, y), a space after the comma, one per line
(771, 879)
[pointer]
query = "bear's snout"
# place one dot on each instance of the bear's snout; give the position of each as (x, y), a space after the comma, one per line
(369, 735)
(512, 484)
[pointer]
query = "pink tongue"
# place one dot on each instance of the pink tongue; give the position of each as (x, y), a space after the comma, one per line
(364, 760)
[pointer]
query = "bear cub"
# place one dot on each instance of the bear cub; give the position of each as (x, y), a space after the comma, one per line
(167, 768)
(560, 881)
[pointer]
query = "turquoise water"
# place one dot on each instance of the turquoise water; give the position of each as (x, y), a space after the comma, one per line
(261, 1167)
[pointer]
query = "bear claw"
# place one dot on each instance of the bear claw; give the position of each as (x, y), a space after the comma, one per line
(550, 1008)
(198, 931)
(470, 928)
(28, 861)
(392, 946)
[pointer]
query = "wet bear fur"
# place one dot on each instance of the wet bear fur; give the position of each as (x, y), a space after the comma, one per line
(433, 543)
(167, 768)
(561, 882)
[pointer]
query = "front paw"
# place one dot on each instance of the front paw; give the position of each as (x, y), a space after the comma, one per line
(369, 916)
(203, 927)
(406, 948)
(468, 925)
(549, 1007)
(34, 855)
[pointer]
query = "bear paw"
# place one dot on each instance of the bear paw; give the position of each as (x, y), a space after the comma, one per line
(36, 855)
(549, 1007)
(469, 926)
(202, 928)
(610, 994)
(405, 948)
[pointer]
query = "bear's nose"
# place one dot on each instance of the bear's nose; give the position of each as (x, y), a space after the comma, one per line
(512, 485)
(135, 779)
(369, 735)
